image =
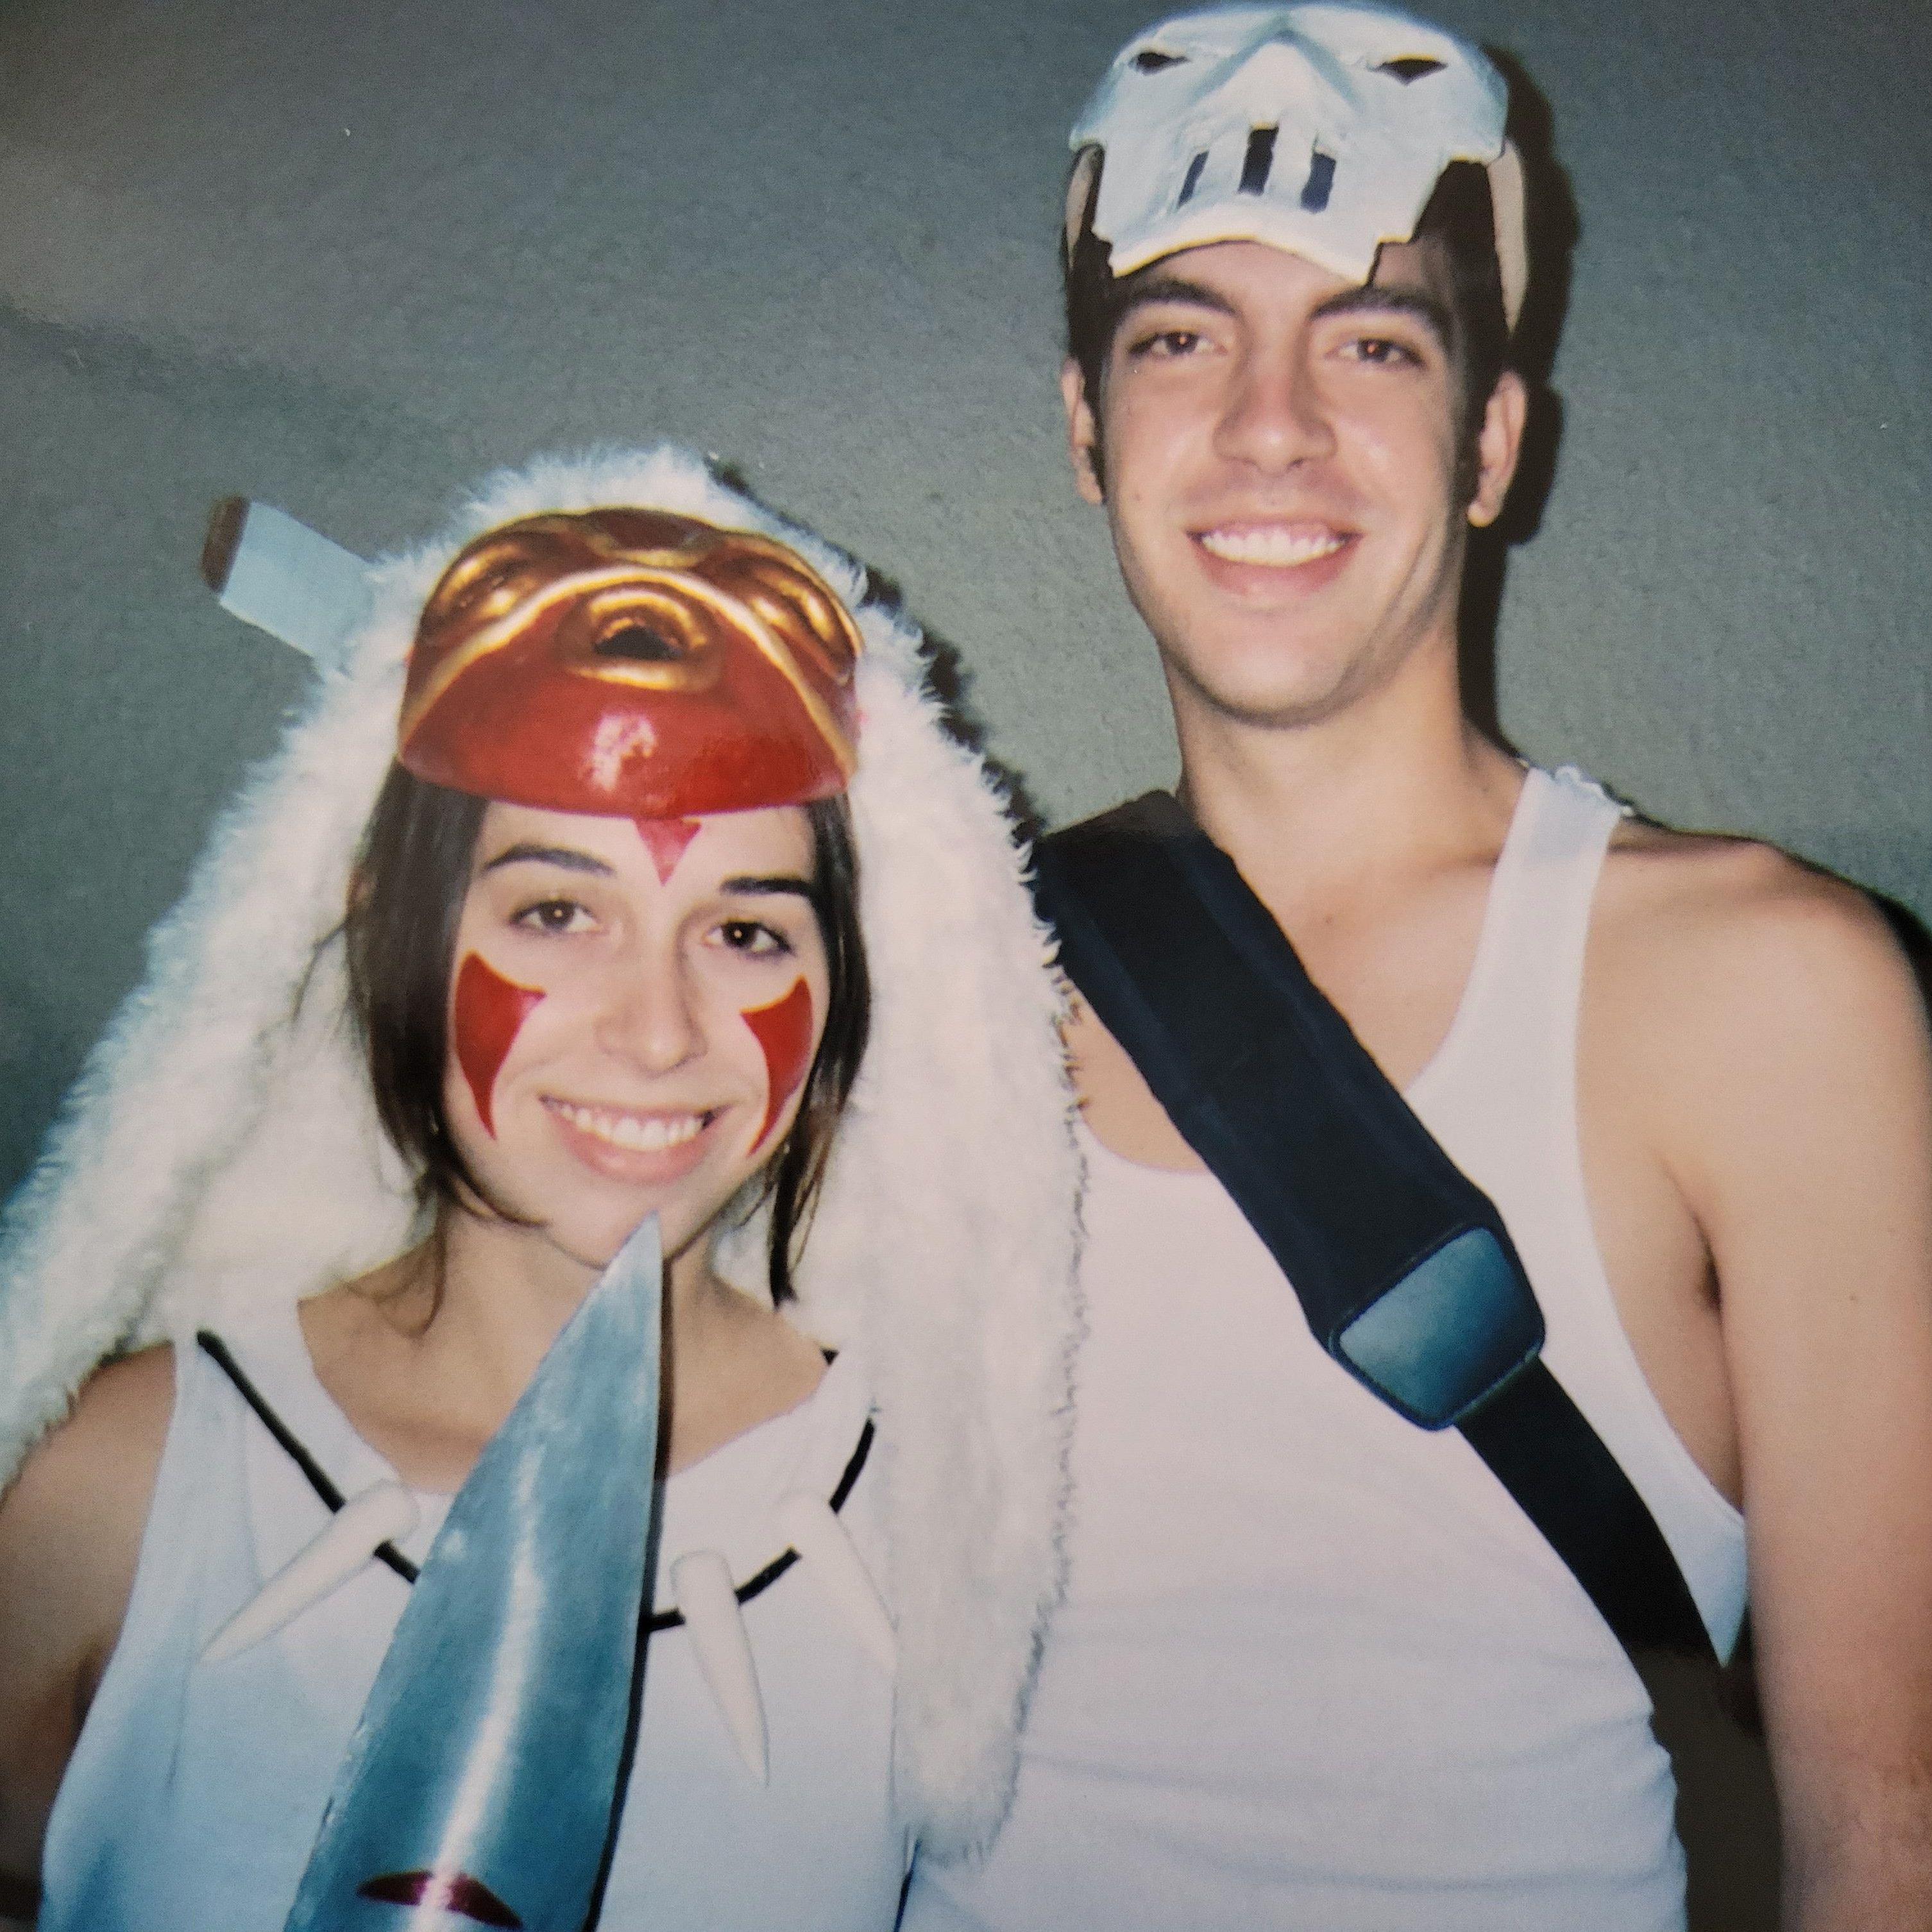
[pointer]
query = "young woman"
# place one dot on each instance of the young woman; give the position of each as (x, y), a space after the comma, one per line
(673, 853)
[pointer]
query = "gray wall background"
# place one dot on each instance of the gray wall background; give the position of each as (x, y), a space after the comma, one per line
(348, 256)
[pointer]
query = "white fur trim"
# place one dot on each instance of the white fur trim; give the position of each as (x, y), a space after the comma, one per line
(221, 1146)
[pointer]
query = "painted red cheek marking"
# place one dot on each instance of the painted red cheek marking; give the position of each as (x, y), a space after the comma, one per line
(447, 1891)
(490, 1011)
(784, 1031)
(667, 838)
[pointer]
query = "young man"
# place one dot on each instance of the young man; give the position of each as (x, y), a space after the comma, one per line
(1315, 1668)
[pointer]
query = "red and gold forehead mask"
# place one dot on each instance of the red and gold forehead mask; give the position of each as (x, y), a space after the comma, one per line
(632, 661)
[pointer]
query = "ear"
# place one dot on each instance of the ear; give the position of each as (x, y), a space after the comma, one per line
(1083, 432)
(1499, 444)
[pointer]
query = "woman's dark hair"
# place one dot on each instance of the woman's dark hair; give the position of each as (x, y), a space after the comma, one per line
(794, 1177)
(412, 876)
(1459, 215)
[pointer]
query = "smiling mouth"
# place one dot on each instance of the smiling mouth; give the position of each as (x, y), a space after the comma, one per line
(635, 1133)
(1277, 546)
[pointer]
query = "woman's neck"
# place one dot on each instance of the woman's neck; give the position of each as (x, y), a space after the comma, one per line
(428, 1354)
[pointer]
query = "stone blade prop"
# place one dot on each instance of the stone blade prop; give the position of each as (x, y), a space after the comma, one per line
(479, 1787)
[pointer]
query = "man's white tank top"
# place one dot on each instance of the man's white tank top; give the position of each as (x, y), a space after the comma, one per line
(1315, 1669)
(194, 1794)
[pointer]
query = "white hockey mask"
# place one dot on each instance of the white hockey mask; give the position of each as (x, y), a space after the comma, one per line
(1321, 129)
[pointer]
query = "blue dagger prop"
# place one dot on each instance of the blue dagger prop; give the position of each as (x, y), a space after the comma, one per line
(480, 1785)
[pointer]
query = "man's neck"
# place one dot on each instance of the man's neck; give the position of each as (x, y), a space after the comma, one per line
(1321, 816)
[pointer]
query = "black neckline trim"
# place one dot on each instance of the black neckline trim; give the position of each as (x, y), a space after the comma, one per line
(218, 1352)
(757, 1585)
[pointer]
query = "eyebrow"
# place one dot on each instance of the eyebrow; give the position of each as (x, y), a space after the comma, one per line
(1378, 299)
(771, 883)
(1139, 294)
(570, 859)
(566, 857)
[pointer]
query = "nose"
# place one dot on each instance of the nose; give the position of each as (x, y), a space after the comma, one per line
(649, 1013)
(1274, 414)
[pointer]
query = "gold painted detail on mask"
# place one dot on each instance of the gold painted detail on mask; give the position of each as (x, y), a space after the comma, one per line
(640, 597)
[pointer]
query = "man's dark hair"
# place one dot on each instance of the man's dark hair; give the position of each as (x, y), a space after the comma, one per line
(1459, 215)
(412, 876)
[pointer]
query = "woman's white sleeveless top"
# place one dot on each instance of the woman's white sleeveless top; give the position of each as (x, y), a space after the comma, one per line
(1315, 1669)
(194, 1794)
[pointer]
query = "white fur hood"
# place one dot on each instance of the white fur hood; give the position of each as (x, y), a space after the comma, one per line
(221, 1147)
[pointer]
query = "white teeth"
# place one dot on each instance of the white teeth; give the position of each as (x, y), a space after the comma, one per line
(648, 1133)
(1270, 543)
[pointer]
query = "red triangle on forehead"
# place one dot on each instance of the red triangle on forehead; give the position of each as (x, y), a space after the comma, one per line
(667, 838)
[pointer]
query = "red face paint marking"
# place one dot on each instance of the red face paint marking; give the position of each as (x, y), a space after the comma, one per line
(667, 838)
(447, 1891)
(489, 1012)
(784, 1031)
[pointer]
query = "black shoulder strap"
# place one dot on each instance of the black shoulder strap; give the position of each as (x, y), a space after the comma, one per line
(1403, 1266)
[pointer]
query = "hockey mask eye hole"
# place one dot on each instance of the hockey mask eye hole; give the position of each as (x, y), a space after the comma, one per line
(1152, 60)
(1410, 67)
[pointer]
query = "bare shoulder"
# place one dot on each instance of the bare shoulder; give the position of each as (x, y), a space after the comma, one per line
(1717, 939)
(70, 1525)
(1757, 1023)
(71, 1529)
(114, 1435)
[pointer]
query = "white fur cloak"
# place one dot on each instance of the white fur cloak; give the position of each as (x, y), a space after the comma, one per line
(221, 1147)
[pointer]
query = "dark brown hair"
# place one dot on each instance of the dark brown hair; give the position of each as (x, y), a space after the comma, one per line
(412, 876)
(1459, 215)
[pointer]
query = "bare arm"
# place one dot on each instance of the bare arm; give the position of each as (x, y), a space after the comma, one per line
(69, 1539)
(1799, 1130)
